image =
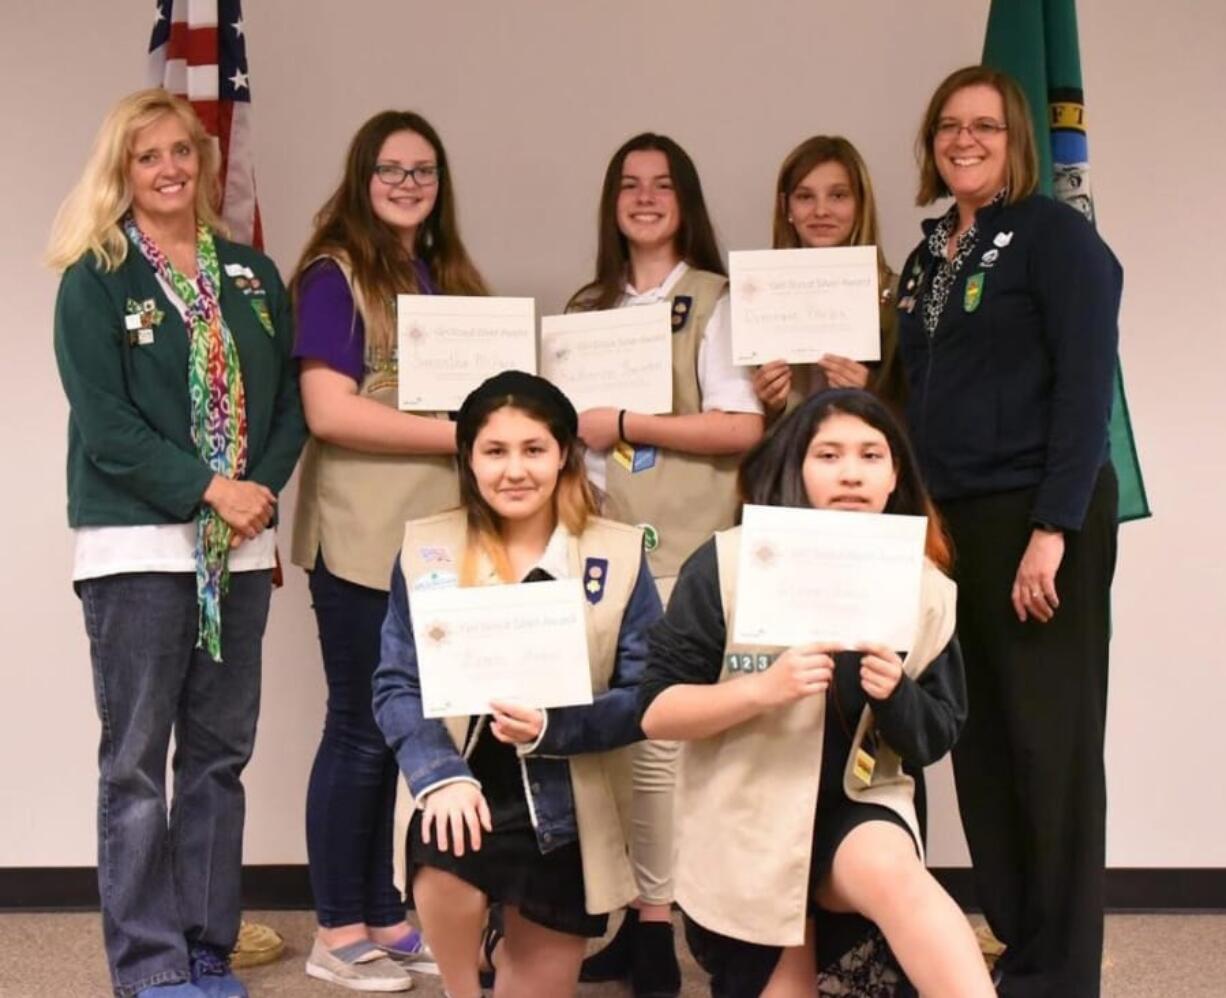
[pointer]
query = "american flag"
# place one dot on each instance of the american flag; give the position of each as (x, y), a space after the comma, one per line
(198, 50)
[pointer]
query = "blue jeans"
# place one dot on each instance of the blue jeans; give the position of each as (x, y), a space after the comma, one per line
(168, 880)
(351, 796)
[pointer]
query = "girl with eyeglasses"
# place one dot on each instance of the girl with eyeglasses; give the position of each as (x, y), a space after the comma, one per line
(389, 228)
(824, 197)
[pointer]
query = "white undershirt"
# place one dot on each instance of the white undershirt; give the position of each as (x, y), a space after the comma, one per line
(724, 387)
(159, 547)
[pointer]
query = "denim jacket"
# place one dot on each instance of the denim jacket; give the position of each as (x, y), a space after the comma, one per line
(428, 756)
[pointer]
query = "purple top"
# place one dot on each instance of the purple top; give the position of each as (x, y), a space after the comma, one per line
(329, 327)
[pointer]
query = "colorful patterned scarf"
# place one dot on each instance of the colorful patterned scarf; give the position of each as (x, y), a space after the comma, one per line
(218, 412)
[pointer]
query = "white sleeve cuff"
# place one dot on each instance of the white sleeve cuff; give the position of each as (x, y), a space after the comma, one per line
(420, 798)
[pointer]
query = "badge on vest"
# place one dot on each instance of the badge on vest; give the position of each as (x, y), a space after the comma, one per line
(436, 580)
(745, 663)
(140, 319)
(974, 292)
(633, 458)
(651, 537)
(595, 574)
(683, 305)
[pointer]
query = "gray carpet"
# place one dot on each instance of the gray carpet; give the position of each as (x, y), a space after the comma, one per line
(60, 956)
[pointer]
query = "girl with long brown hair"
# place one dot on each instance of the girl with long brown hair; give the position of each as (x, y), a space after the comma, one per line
(389, 228)
(674, 474)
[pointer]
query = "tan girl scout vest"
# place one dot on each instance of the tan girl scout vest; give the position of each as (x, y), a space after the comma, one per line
(678, 499)
(353, 505)
(600, 781)
(746, 797)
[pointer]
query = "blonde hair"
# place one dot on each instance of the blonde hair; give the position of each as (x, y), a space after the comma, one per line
(88, 220)
(1021, 158)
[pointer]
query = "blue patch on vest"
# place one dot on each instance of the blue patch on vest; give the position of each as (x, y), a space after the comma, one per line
(595, 575)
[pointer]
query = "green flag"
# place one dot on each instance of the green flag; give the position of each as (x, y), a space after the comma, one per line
(1035, 41)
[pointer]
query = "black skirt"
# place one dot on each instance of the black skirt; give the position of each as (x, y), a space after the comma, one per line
(852, 956)
(546, 888)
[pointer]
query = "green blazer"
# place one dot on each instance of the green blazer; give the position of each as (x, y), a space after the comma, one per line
(131, 459)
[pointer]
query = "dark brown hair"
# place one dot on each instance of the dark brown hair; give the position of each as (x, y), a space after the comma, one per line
(1022, 164)
(347, 227)
(695, 240)
(573, 501)
(772, 474)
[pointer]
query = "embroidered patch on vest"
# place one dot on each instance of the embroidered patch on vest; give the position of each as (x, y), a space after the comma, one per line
(974, 292)
(651, 537)
(635, 459)
(749, 663)
(435, 554)
(683, 305)
(437, 580)
(595, 575)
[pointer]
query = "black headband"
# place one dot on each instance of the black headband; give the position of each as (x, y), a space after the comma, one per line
(513, 385)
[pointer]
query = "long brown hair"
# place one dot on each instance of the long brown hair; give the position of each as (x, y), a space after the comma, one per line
(1021, 159)
(695, 239)
(346, 227)
(573, 501)
(772, 474)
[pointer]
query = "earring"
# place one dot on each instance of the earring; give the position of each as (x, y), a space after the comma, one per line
(791, 221)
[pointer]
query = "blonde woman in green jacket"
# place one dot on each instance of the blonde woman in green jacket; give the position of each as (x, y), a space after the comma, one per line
(173, 346)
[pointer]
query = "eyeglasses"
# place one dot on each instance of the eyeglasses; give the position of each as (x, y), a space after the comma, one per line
(394, 175)
(981, 129)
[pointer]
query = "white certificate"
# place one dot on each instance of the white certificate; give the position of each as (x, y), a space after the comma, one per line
(620, 357)
(827, 575)
(524, 642)
(798, 304)
(449, 344)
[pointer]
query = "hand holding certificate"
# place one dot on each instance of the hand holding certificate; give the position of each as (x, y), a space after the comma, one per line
(826, 575)
(620, 357)
(449, 344)
(799, 304)
(524, 643)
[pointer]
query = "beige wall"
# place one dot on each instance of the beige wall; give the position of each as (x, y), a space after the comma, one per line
(531, 98)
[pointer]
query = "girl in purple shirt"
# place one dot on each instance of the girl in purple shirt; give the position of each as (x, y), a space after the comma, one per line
(389, 228)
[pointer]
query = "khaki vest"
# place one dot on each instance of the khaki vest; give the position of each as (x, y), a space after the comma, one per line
(685, 497)
(352, 505)
(746, 797)
(600, 781)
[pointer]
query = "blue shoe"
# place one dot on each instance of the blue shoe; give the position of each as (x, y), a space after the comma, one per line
(411, 951)
(183, 990)
(211, 974)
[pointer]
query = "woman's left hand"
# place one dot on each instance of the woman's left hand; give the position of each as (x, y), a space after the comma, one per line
(598, 428)
(842, 372)
(1034, 587)
(880, 670)
(515, 724)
